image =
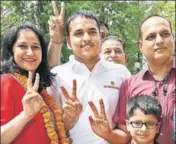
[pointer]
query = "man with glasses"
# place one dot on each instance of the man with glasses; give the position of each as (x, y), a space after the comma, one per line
(143, 119)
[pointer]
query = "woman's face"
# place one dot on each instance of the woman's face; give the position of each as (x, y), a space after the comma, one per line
(27, 50)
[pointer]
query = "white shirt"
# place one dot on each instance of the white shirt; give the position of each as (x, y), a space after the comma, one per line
(91, 86)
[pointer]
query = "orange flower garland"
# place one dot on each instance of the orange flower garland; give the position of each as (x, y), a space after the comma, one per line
(53, 123)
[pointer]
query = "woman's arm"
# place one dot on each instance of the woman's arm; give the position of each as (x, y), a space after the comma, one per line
(31, 102)
(10, 130)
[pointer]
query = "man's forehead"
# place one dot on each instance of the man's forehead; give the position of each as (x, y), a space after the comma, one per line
(112, 44)
(79, 21)
(112, 41)
(154, 21)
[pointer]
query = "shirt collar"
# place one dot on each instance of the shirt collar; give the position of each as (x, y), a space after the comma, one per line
(147, 71)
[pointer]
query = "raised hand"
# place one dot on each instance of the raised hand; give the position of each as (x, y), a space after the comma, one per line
(32, 101)
(56, 24)
(100, 124)
(72, 107)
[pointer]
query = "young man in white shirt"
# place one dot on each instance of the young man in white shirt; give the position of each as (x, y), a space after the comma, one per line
(93, 79)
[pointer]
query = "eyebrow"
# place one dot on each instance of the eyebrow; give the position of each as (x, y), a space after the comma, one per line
(35, 43)
(115, 48)
(88, 29)
(165, 30)
(92, 29)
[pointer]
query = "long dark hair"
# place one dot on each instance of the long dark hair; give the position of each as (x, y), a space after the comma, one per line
(8, 64)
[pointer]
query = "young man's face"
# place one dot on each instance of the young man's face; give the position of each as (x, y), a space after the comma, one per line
(157, 41)
(142, 134)
(84, 39)
(112, 51)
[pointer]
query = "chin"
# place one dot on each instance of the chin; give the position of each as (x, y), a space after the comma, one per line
(162, 57)
(30, 69)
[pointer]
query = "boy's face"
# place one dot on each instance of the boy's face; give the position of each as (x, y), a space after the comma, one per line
(142, 133)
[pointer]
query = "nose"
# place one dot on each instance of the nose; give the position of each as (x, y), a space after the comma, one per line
(29, 51)
(113, 54)
(143, 127)
(86, 37)
(159, 39)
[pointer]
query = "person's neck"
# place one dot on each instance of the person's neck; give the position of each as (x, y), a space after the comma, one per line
(90, 63)
(160, 69)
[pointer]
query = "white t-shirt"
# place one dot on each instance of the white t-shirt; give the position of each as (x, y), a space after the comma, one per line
(91, 86)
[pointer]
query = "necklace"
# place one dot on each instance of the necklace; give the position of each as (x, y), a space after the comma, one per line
(55, 130)
(164, 81)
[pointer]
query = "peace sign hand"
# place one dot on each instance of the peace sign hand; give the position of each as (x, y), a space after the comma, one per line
(32, 101)
(100, 124)
(72, 107)
(56, 24)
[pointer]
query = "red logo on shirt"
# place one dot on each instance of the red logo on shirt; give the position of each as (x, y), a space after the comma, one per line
(112, 85)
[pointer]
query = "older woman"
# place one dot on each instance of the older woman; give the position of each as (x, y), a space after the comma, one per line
(28, 114)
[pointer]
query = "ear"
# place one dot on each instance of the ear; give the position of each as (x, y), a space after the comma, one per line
(68, 42)
(140, 45)
(127, 125)
(158, 127)
(126, 57)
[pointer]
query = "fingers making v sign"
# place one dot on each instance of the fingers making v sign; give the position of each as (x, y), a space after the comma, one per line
(56, 24)
(72, 107)
(32, 101)
(99, 124)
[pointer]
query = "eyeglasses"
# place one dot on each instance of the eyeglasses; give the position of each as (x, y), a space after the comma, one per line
(139, 124)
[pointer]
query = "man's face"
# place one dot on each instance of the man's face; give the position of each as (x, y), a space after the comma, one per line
(103, 31)
(84, 39)
(142, 133)
(112, 51)
(157, 41)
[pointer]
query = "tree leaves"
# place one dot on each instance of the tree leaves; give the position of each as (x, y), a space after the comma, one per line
(123, 17)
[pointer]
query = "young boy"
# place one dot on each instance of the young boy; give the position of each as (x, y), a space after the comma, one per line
(143, 119)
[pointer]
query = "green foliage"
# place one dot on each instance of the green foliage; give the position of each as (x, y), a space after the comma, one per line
(123, 17)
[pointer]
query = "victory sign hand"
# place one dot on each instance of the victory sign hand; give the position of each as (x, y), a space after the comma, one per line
(99, 124)
(72, 107)
(56, 24)
(32, 101)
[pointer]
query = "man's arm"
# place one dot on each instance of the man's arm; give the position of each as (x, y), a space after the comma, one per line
(118, 136)
(56, 31)
(100, 126)
(54, 53)
(72, 107)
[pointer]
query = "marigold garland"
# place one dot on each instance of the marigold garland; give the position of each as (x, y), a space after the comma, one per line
(53, 123)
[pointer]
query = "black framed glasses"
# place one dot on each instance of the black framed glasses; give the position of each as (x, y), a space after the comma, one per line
(139, 124)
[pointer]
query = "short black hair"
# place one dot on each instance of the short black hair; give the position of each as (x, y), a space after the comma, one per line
(104, 23)
(154, 15)
(82, 13)
(148, 104)
(114, 38)
(8, 63)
